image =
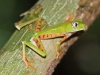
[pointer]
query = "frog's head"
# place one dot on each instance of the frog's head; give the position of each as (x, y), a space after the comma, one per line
(75, 26)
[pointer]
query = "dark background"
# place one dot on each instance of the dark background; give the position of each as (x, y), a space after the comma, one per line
(9, 14)
(82, 58)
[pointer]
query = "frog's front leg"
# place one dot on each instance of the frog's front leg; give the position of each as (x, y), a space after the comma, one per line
(40, 50)
(60, 42)
(25, 58)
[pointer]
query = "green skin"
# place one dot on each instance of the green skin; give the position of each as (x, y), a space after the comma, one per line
(63, 28)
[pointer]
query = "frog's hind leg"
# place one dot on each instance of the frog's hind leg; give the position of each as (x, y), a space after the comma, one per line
(39, 23)
(40, 48)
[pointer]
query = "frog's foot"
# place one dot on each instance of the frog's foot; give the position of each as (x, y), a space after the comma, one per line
(58, 52)
(28, 63)
(58, 55)
(69, 17)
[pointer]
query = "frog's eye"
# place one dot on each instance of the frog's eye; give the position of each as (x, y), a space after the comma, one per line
(75, 25)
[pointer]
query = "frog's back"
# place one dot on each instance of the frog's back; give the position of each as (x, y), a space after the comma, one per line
(58, 28)
(65, 27)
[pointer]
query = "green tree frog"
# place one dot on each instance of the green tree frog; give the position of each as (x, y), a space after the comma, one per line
(64, 30)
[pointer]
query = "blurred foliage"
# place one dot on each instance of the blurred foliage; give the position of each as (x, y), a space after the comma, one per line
(82, 57)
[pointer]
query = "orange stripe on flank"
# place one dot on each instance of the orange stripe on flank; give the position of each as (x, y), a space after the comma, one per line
(59, 34)
(35, 40)
(38, 28)
(38, 44)
(53, 35)
(47, 36)
(41, 48)
(41, 36)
